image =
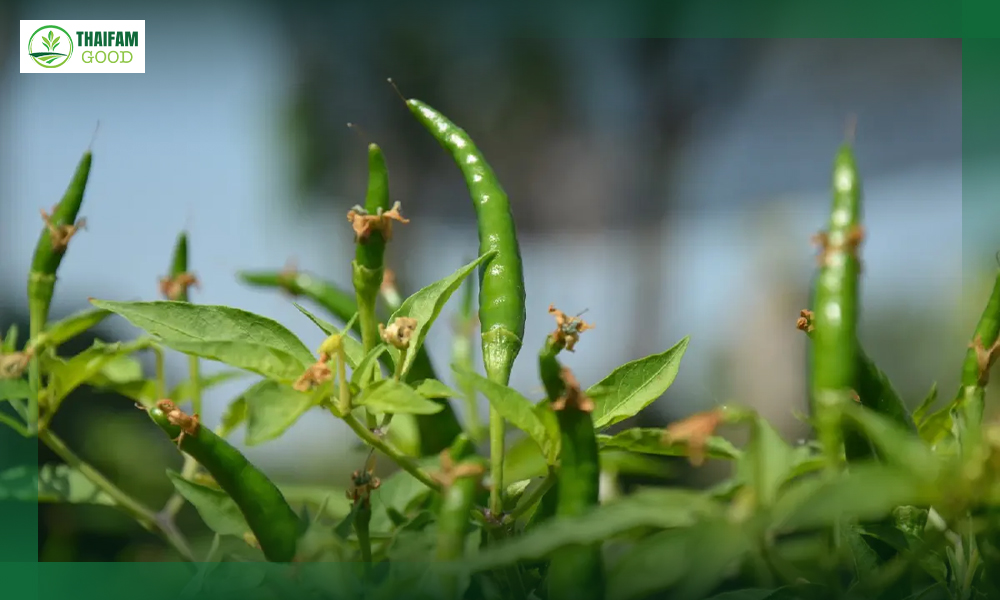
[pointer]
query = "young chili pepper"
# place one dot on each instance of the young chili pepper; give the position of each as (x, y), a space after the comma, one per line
(462, 473)
(175, 285)
(501, 280)
(60, 227)
(271, 519)
(368, 266)
(575, 573)
(834, 354)
(980, 358)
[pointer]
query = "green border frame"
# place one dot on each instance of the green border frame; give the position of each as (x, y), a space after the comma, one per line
(21, 576)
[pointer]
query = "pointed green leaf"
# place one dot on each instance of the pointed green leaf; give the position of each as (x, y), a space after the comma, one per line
(425, 305)
(514, 408)
(234, 416)
(767, 462)
(650, 441)
(663, 508)
(920, 413)
(896, 444)
(236, 337)
(432, 388)
(392, 397)
(10, 340)
(634, 386)
(63, 330)
(66, 376)
(215, 507)
(354, 351)
(273, 407)
(120, 369)
(55, 42)
(365, 368)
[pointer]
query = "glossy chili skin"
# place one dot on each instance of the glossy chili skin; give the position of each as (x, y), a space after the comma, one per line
(575, 573)
(834, 356)
(271, 519)
(501, 279)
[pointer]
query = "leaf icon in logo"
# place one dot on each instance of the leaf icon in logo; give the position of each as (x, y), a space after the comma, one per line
(55, 43)
(45, 43)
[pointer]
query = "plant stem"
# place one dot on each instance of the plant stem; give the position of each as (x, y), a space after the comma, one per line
(38, 310)
(161, 375)
(13, 424)
(392, 452)
(345, 388)
(496, 461)
(138, 511)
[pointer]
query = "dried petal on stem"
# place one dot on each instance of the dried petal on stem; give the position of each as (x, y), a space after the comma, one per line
(694, 431)
(568, 329)
(398, 332)
(61, 234)
(572, 396)
(364, 224)
(316, 374)
(174, 288)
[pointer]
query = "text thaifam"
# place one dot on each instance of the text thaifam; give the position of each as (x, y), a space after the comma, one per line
(107, 38)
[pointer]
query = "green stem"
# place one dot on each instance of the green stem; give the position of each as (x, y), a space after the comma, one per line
(161, 374)
(13, 424)
(39, 309)
(496, 461)
(138, 511)
(391, 451)
(345, 388)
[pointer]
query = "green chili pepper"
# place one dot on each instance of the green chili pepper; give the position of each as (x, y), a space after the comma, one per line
(462, 473)
(60, 227)
(834, 371)
(368, 265)
(501, 280)
(874, 390)
(575, 573)
(271, 519)
(979, 359)
(436, 431)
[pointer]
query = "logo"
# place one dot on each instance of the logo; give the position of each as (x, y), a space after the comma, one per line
(50, 46)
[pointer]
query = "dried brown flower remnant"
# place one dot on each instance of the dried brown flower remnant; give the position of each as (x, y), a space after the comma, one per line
(61, 234)
(805, 321)
(173, 288)
(850, 244)
(985, 358)
(12, 365)
(364, 224)
(398, 332)
(568, 329)
(694, 431)
(572, 395)
(450, 472)
(175, 416)
(363, 483)
(317, 373)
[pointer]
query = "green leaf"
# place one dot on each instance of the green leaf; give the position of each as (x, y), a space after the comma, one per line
(622, 462)
(516, 409)
(14, 389)
(66, 376)
(273, 407)
(120, 369)
(63, 330)
(400, 493)
(363, 372)
(920, 413)
(331, 501)
(868, 491)
(10, 340)
(767, 461)
(894, 443)
(236, 337)
(354, 351)
(392, 397)
(863, 561)
(650, 441)
(524, 460)
(185, 390)
(55, 43)
(432, 388)
(634, 386)
(692, 561)
(233, 417)
(425, 305)
(661, 508)
(50, 484)
(215, 507)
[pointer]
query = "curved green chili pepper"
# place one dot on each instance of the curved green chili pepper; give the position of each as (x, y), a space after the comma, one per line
(368, 265)
(436, 431)
(575, 573)
(271, 519)
(501, 280)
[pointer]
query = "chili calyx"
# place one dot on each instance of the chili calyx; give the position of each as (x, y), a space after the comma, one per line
(61, 234)
(365, 224)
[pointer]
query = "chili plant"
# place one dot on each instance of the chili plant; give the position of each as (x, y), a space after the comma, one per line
(886, 503)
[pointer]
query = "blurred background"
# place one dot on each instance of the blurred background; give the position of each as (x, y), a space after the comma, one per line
(670, 187)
